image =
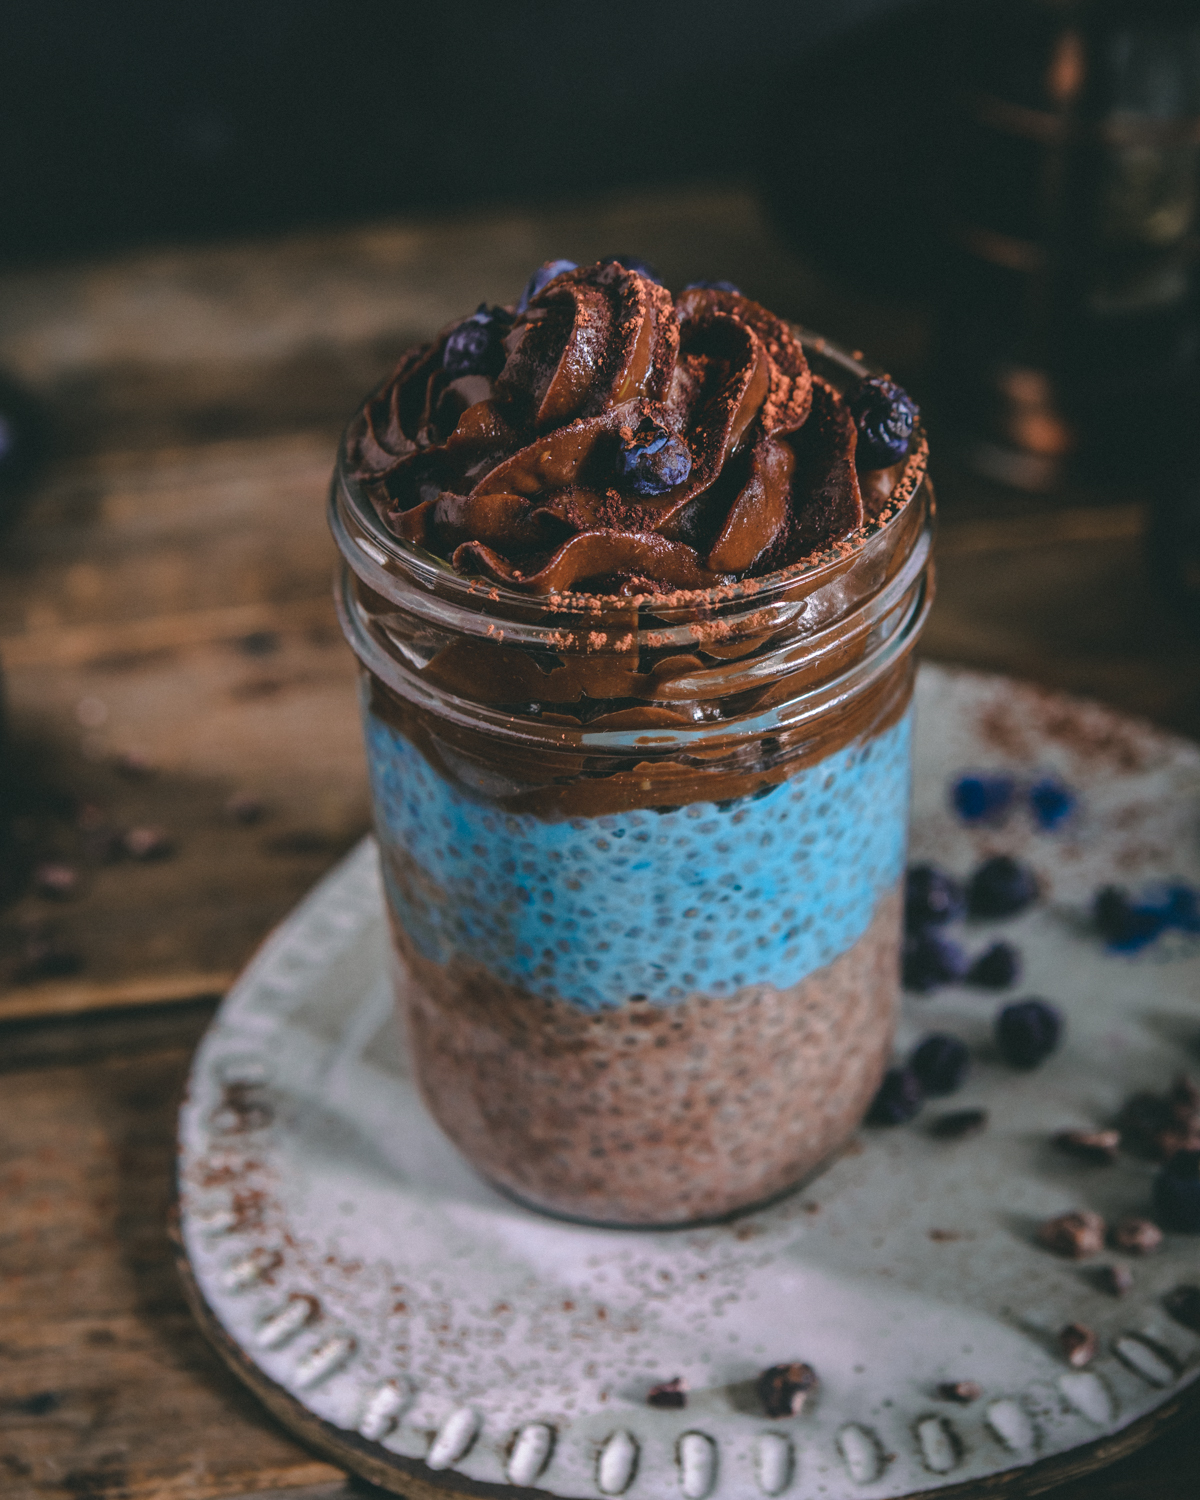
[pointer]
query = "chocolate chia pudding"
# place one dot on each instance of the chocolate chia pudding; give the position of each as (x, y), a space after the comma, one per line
(635, 582)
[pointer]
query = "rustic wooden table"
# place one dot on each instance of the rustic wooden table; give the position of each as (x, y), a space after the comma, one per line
(169, 644)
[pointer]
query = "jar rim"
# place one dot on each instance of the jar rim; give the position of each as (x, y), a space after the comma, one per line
(397, 559)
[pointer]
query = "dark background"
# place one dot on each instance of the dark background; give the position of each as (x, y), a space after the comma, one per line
(129, 120)
(859, 122)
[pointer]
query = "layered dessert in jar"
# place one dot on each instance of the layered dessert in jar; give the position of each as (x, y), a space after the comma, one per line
(635, 581)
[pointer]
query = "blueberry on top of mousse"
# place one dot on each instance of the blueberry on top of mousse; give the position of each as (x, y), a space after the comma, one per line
(931, 897)
(633, 263)
(476, 346)
(1027, 1032)
(713, 286)
(542, 278)
(652, 460)
(1001, 887)
(941, 1063)
(885, 417)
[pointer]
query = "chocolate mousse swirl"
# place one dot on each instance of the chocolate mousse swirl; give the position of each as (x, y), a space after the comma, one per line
(612, 439)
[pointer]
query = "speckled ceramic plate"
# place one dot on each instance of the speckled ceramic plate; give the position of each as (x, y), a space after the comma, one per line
(424, 1331)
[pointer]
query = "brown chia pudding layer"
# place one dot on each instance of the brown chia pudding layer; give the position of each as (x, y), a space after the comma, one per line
(646, 1114)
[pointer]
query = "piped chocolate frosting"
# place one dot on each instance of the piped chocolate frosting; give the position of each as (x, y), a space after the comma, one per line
(614, 440)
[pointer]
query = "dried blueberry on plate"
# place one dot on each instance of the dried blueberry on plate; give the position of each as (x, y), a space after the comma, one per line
(995, 968)
(931, 897)
(982, 799)
(929, 959)
(1001, 887)
(1027, 1032)
(941, 1064)
(1051, 803)
(1177, 1193)
(1128, 924)
(899, 1098)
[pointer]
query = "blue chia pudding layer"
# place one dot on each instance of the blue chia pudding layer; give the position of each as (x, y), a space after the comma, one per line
(654, 1015)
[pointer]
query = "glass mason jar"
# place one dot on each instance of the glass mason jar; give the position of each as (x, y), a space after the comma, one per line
(644, 857)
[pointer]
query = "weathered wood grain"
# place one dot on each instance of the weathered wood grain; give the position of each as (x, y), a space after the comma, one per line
(106, 1386)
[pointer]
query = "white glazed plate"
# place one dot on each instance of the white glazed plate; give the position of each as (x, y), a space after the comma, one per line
(356, 1271)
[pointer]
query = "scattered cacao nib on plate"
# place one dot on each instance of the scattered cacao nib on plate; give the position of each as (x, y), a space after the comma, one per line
(783, 1389)
(1115, 1280)
(1075, 1235)
(671, 1395)
(1099, 1147)
(1078, 1344)
(1136, 1236)
(962, 1391)
(1159, 1125)
(959, 1124)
